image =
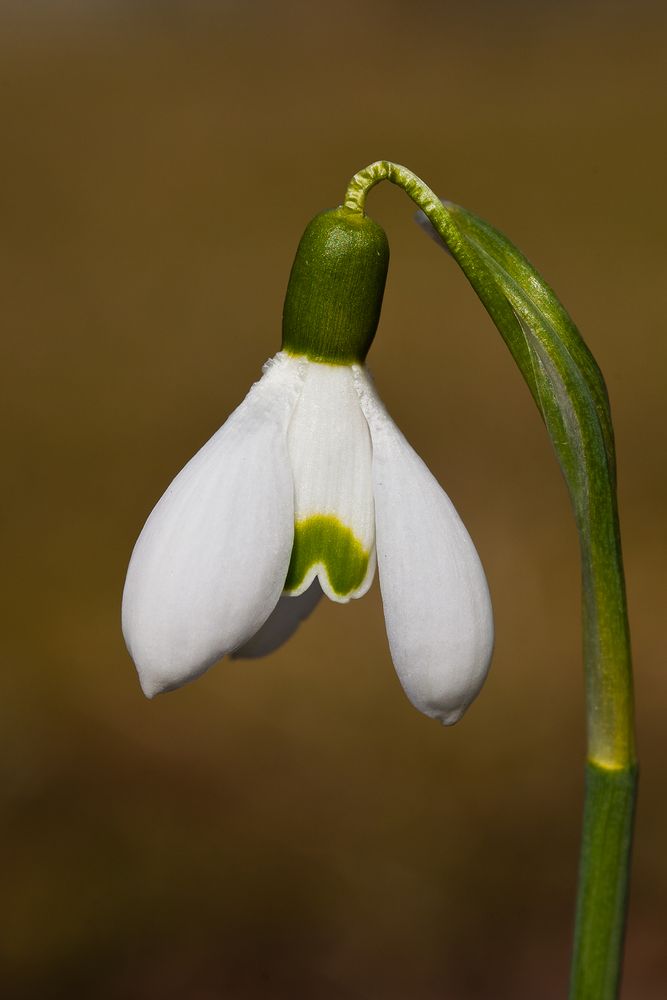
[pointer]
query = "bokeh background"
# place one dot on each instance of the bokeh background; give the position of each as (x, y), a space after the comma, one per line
(292, 827)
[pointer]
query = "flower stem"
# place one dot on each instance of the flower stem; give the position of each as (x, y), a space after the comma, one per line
(569, 390)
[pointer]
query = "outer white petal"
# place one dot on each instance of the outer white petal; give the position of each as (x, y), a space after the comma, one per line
(282, 623)
(436, 599)
(330, 453)
(210, 563)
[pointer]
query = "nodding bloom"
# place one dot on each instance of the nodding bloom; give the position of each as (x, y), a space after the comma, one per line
(304, 490)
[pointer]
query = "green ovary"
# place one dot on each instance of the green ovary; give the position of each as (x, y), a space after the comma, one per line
(324, 539)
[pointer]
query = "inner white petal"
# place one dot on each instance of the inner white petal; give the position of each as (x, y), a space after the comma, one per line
(281, 624)
(330, 451)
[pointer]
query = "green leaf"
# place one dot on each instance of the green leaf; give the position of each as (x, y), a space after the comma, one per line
(570, 393)
(569, 390)
(560, 371)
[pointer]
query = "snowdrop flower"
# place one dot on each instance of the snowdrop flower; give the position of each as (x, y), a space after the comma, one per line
(304, 490)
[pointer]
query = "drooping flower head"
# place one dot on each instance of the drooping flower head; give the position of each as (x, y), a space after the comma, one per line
(307, 487)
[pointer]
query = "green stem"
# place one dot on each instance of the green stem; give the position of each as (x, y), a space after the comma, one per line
(603, 882)
(570, 393)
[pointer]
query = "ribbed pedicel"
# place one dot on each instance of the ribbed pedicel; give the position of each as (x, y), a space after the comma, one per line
(334, 296)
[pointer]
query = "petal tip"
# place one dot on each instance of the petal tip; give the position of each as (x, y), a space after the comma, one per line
(149, 687)
(450, 718)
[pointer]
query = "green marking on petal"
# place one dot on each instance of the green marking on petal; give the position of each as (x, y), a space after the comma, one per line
(324, 539)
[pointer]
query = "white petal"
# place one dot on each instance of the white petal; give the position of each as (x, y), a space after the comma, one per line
(282, 623)
(436, 599)
(210, 563)
(330, 452)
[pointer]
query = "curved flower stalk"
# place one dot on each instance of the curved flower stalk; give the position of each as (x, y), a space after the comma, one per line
(306, 487)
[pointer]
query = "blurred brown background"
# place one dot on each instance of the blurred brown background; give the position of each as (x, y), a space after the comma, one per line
(292, 827)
